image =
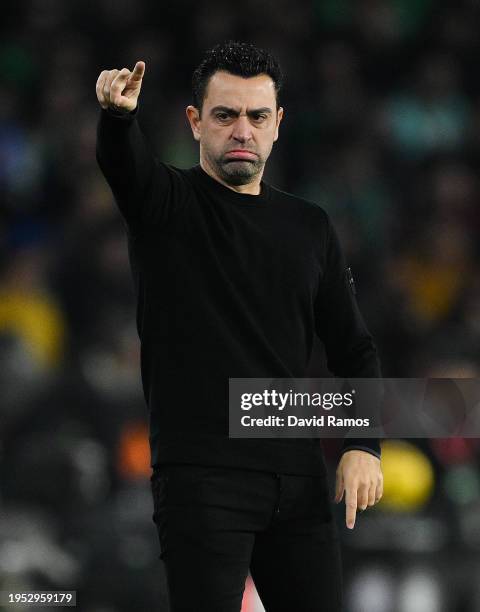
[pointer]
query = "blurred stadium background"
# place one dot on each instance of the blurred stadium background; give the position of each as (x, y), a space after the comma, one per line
(382, 128)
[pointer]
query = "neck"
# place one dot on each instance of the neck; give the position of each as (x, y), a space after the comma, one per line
(252, 188)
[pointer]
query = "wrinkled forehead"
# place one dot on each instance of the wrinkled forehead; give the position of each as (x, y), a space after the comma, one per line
(225, 89)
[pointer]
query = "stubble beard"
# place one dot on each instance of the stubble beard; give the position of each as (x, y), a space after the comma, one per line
(238, 172)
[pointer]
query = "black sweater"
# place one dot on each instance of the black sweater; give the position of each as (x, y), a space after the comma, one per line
(228, 285)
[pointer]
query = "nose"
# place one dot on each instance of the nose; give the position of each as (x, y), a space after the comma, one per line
(242, 130)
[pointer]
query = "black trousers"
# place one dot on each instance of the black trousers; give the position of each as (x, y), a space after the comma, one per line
(214, 524)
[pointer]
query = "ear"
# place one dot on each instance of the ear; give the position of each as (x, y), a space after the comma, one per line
(279, 118)
(193, 116)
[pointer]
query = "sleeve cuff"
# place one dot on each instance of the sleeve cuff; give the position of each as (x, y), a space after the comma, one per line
(369, 445)
(119, 115)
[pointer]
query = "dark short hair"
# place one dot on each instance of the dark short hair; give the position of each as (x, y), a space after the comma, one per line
(239, 58)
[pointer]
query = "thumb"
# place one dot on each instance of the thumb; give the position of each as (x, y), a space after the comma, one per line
(138, 72)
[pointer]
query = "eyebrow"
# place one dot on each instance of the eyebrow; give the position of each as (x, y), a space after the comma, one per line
(235, 113)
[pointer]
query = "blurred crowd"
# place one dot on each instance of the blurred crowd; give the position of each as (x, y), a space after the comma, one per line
(381, 128)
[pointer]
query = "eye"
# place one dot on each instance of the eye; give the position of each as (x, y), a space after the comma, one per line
(260, 117)
(221, 116)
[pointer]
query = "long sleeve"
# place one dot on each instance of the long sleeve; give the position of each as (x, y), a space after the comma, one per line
(146, 190)
(125, 160)
(349, 347)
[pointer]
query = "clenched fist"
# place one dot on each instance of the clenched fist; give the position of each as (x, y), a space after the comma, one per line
(119, 89)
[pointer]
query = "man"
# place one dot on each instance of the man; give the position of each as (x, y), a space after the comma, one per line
(233, 279)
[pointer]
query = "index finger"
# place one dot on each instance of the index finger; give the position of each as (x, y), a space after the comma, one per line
(138, 72)
(351, 505)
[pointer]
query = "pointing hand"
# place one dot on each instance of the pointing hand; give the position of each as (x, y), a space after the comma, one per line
(119, 89)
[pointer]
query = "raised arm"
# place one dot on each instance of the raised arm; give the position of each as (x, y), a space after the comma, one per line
(122, 151)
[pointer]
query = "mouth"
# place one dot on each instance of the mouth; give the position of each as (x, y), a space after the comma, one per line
(241, 154)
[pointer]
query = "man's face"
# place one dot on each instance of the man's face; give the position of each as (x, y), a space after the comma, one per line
(238, 126)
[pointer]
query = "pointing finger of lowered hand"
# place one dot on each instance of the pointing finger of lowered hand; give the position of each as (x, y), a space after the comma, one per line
(351, 505)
